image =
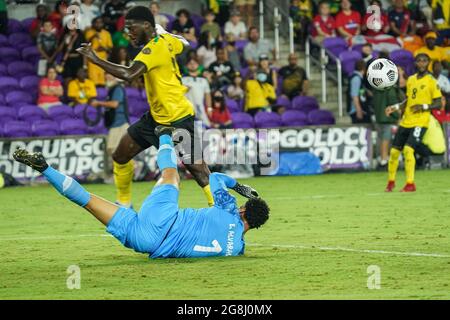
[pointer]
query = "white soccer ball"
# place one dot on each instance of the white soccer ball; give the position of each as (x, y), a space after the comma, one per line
(382, 74)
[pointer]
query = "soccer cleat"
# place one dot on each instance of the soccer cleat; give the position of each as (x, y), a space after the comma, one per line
(34, 160)
(409, 187)
(390, 186)
(246, 191)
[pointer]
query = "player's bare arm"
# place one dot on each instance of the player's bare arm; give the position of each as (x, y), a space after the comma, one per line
(436, 105)
(125, 73)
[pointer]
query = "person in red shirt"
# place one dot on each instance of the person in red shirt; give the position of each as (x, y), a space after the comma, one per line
(323, 24)
(50, 90)
(38, 22)
(56, 17)
(219, 115)
(348, 22)
(375, 27)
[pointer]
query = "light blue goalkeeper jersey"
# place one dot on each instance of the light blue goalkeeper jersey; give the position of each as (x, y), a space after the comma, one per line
(215, 231)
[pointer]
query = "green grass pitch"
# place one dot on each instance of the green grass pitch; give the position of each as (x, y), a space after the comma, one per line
(323, 234)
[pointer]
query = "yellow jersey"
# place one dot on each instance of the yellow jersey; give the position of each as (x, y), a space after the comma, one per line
(258, 95)
(81, 92)
(165, 91)
(419, 91)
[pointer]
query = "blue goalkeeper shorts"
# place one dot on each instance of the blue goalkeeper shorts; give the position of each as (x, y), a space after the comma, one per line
(145, 231)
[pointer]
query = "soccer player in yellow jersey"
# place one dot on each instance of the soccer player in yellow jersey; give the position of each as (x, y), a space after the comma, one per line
(423, 94)
(166, 97)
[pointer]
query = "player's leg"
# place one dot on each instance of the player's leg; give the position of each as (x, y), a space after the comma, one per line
(167, 158)
(415, 138)
(397, 146)
(201, 173)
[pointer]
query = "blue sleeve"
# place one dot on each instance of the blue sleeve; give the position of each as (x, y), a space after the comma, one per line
(355, 86)
(118, 94)
(219, 184)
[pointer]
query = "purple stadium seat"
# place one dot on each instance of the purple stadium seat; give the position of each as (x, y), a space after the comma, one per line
(30, 84)
(335, 45)
(60, 113)
(7, 84)
(348, 61)
(20, 40)
(31, 113)
(98, 129)
(171, 21)
(267, 120)
(244, 72)
(2, 99)
(305, 103)
(134, 119)
(14, 98)
(17, 129)
(242, 120)
(26, 23)
(73, 127)
(284, 101)
(78, 111)
(321, 117)
(3, 41)
(404, 59)
(133, 93)
(232, 105)
(102, 93)
(14, 26)
(8, 54)
(31, 54)
(7, 114)
(2, 125)
(240, 45)
(45, 128)
(136, 107)
(198, 21)
(3, 70)
(143, 95)
(294, 118)
(20, 69)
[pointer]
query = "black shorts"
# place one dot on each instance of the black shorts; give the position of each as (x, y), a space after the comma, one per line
(188, 141)
(410, 136)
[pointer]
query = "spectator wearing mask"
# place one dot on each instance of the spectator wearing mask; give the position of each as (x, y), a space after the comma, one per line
(160, 19)
(260, 95)
(257, 47)
(81, 90)
(222, 70)
(295, 82)
(184, 26)
(235, 91)
(47, 43)
(50, 90)
(348, 21)
(247, 9)
(324, 25)
(236, 27)
(199, 92)
(101, 42)
(301, 13)
(264, 66)
(232, 52)
(434, 52)
(211, 26)
(219, 115)
(207, 49)
(113, 10)
(356, 95)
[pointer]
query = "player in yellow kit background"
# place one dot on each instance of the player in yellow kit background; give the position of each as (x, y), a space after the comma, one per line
(166, 96)
(423, 95)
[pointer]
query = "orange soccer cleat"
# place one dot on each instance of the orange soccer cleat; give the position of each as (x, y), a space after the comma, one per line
(390, 186)
(409, 187)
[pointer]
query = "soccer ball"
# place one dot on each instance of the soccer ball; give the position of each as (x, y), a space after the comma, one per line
(382, 74)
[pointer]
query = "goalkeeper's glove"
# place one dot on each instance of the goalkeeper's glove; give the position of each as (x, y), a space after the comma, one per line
(246, 191)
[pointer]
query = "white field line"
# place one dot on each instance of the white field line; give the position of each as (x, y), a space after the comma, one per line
(282, 246)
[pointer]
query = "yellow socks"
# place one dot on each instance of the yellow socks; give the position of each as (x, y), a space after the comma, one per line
(410, 164)
(123, 176)
(208, 194)
(393, 163)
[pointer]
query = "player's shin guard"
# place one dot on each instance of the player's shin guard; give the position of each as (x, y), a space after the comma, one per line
(123, 176)
(208, 194)
(67, 186)
(393, 163)
(166, 154)
(410, 164)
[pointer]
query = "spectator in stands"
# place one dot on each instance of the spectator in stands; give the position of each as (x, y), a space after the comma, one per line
(256, 47)
(247, 9)
(441, 20)
(259, 95)
(184, 26)
(264, 66)
(114, 9)
(348, 21)
(191, 54)
(38, 22)
(236, 27)
(88, 12)
(221, 70)
(72, 60)
(211, 26)
(443, 82)
(120, 56)
(371, 27)
(47, 43)
(324, 25)
(400, 20)
(50, 90)
(235, 91)
(367, 53)
(295, 82)
(219, 115)
(56, 17)
(3, 17)
(101, 42)
(434, 52)
(232, 52)
(356, 96)
(199, 92)
(301, 13)
(207, 49)
(120, 25)
(81, 90)
(160, 19)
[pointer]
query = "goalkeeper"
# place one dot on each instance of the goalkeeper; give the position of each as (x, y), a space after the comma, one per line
(161, 228)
